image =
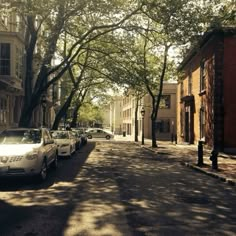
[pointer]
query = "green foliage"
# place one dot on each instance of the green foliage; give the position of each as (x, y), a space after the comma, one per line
(109, 43)
(90, 113)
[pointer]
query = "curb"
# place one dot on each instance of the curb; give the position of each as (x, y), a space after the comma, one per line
(150, 149)
(217, 176)
(192, 166)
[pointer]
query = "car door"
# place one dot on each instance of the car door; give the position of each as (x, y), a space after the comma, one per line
(72, 140)
(49, 146)
(100, 133)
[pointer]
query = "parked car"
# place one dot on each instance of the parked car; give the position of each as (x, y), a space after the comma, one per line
(27, 152)
(98, 133)
(66, 143)
(82, 134)
(77, 139)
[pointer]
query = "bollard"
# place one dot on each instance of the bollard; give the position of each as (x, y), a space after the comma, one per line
(214, 159)
(200, 153)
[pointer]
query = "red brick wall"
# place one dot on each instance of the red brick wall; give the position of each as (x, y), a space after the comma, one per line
(207, 53)
(229, 74)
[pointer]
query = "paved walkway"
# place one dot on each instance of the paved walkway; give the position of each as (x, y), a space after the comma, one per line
(188, 155)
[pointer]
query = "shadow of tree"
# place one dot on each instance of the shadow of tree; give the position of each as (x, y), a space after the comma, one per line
(113, 188)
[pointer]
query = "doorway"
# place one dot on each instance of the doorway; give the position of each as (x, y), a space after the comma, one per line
(186, 127)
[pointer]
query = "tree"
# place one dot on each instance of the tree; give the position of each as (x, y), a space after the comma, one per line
(166, 24)
(117, 56)
(90, 79)
(44, 29)
(90, 114)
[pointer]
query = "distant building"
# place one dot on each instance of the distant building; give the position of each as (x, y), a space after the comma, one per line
(206, 103)
(165, 125)
(12, 72)
(12, 56)
(112, 115)
(128, 114)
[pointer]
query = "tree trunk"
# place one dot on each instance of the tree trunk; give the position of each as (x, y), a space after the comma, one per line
(27, 112)
(155, 102)
(154, 141)
(63, 110)
(74, 116)
(136, 121)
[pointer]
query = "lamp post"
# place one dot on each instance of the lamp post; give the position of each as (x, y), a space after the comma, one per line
(44, 104)
(142, 114)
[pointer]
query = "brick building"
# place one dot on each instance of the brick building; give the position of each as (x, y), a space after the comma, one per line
(206, 97)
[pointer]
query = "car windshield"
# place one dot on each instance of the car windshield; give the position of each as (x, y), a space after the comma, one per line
(60, 135)
(20, 137)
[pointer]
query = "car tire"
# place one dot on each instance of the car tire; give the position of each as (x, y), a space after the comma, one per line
(89, 136)
(108, 137)
(55, 163)
(43, 172)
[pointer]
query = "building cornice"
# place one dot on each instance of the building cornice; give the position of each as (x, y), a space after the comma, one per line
(224, 31)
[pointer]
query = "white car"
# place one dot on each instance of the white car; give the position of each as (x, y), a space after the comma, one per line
(66, 142)
(98, 133)
(27, 152)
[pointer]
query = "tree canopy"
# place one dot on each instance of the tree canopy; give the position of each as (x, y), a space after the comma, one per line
(130, 43)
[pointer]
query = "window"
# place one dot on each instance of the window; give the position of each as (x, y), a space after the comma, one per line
(181, 89)
(202, 76)
(3, 110)
(163, 126)
(19, 62)
(4, 59)
(202, 123)
(165, 102)
(190, 83)
(182, 122)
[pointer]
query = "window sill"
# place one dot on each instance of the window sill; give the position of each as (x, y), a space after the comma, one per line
(203, 92)
(203, 140)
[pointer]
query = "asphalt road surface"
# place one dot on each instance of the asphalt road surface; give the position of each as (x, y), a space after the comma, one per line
(118, 188)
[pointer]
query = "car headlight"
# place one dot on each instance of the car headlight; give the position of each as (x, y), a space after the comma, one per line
(4, 159)
(31, 155)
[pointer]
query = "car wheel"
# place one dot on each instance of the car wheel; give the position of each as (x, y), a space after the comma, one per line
(43, 172)
(89, 136)
(108, 137)
(55, 162)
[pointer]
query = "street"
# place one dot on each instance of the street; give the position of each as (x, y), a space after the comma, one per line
(118, 188)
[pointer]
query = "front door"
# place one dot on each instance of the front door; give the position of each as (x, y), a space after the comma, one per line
(186, 127)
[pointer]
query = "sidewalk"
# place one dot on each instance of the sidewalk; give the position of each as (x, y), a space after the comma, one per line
(188, 155)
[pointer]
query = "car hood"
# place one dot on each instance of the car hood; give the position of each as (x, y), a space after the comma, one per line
(61, 141)
(16, 149)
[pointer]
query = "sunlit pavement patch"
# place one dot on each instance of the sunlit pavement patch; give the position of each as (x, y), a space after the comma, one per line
(211, 173)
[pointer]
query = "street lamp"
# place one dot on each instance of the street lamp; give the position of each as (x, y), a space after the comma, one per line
(142, 114)
(44, 104)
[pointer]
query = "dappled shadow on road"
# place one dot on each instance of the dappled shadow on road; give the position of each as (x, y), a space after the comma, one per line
(24, 207)
(164, 198)
(120, 189)
(81, 201)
